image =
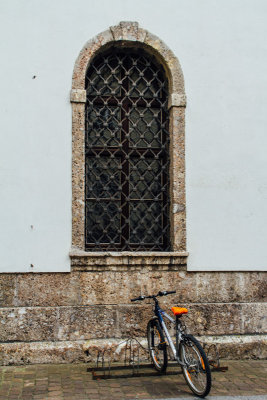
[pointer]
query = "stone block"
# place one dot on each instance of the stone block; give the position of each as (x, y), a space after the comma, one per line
(202, 319)
(254, 317)
(28, 324)
(216, 318)
(53, 289)
(78, 96)
(177, 100)
(7, 290)
(133, 319)
(236, 346)
(58, 323)
(128, 30)
(240, 351)
(118, 287)
(227, 319)
(18, 353)
(42, 353)
(84, 323)
(109, 287)
(229, 286)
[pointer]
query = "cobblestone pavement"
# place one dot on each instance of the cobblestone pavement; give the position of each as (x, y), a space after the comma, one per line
(72, 381)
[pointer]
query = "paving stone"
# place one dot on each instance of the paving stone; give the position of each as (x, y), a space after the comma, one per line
(65, 382)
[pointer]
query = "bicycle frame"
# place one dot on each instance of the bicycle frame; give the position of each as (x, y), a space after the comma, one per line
(187, 351)
(160, 314)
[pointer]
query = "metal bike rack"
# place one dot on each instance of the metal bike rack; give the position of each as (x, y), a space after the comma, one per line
(107, 368)
(131, 360)
(214, 357)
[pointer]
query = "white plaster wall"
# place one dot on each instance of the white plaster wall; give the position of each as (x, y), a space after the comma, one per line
(222, 49)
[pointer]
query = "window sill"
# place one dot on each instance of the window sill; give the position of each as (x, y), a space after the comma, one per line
(125, 260)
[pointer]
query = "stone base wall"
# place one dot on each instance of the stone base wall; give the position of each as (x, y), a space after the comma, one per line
(53, 317)
(58, 352)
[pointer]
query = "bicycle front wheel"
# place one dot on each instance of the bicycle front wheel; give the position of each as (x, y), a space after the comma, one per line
(157, 345)
(196, 369)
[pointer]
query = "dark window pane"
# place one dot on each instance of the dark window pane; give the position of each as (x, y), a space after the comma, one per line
(102, 222)
(144, 79)
(146, 223)
(103, 177)
(126, 152)
(145, 179)
(103, 126)
(105, 77)
(145, 127)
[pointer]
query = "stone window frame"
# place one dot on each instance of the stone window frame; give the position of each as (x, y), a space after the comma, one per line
(130, 34)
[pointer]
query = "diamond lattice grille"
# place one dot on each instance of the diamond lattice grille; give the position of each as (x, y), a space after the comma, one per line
(126, 152)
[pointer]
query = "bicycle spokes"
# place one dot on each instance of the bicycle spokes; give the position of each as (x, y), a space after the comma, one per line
(195, 369)
(157, 346)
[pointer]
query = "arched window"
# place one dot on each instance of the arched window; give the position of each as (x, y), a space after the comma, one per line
(128, 171)
(126, 152)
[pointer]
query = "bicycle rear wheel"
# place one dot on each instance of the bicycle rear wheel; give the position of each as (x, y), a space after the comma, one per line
(196, 370)
(157, 345)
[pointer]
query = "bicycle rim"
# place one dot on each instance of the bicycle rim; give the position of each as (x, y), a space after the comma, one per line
(197, 371)
(157, 346)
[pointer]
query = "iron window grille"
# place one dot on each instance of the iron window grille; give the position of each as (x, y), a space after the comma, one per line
(126, 153)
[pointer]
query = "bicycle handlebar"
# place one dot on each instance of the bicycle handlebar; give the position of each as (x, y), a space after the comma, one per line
(138, 298)
(164, 293)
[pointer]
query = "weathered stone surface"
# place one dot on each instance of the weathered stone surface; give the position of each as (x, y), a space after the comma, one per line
(119, 286)
(115, 287)
(89, 322)
(128, 30)
(88, 51)
(78, 323)
(127, 261)
(207, 319)
(229, 347)
(58, 323)
(237, 351)
(236, 346)
(202, 319)
(228, 286)
(112, 288)
(7, 290)
(175, 72)
(78, 96)
(78, 175)
(54, 289)
(225, 319)
(42, 352)
(254, 317)
(177, 100)
(133, 319)
(206, 287)
(177, 176)
(28, 324)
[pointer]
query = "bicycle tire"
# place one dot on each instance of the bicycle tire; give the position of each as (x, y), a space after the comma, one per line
(197, 372)
(157, 345)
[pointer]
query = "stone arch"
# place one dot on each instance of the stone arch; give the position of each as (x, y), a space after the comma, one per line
(131, 34)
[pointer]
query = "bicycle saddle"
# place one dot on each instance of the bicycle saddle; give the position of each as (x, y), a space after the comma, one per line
(179, 311)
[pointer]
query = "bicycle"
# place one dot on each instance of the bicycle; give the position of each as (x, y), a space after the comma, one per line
(187, 350)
